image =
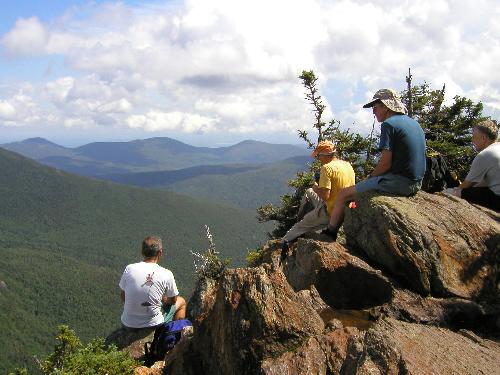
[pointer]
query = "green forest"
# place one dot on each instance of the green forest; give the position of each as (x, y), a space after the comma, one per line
(65, 239)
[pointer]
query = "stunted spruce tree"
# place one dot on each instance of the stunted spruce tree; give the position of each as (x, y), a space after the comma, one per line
(352, 147)
(447, 128)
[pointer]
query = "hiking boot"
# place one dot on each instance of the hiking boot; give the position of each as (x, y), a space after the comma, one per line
(284, 250)
(330, 232)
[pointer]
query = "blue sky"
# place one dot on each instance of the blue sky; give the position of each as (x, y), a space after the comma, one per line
(218, 72)
(12, 10)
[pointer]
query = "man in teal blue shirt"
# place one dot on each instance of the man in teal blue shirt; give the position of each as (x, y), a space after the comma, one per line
(401, 166)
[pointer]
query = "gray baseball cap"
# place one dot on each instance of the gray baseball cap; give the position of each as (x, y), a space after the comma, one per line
(390, 99)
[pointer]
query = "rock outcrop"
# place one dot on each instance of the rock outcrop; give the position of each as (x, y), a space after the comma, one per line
(415, 290)
(341, 279)
(435, 243)
(131, 341)
(255, 315)
(395, 347)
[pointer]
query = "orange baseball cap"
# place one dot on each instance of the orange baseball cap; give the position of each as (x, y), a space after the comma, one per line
(324, 147)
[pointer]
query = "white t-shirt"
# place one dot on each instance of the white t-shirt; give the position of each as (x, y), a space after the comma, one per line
(144, 285)
(485, 168)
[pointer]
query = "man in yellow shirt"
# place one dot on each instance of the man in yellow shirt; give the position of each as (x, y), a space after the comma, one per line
(335, 175)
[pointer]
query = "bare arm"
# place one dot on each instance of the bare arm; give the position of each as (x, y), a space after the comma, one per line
(122, 295)
(384, 164)
(323, 193)
(169, 300)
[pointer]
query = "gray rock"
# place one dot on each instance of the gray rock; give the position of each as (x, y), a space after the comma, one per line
(394, 347)
(256, 315)
(341, 279)
(434, 244)
(131, 341)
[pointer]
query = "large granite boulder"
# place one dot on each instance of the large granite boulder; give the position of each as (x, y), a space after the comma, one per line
(255, 315)
(434, 244)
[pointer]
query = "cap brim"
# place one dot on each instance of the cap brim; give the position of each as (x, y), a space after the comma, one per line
(371, 104)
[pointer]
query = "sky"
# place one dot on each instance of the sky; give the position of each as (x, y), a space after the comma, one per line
(213, 73)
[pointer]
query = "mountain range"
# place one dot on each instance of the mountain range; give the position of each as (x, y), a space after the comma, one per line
(65, 239)
(245, 175)
(153, 154)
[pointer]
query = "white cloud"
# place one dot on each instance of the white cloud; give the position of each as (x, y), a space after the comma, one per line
(7, 111)
(117, 106)
(71, 122)
(19, 110)
(58, 90)
(231, 66)
(28, 37)
(185, 122)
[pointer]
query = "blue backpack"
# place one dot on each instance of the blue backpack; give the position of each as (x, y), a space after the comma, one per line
(165, 338)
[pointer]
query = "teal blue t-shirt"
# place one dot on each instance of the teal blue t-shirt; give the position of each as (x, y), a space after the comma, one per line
(405, 138)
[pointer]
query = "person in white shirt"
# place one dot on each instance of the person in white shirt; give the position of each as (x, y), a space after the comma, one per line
(482, 184)
(148, 291)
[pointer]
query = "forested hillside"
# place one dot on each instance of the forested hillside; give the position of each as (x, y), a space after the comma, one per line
(245, 186)
(65, 239)
(249, 189)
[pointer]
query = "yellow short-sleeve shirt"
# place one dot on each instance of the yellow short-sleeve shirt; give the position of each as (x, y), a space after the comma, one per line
(334, 176)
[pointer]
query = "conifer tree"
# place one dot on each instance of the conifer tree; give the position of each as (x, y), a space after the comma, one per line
(352, 147)
(447, 128)
(448, 131)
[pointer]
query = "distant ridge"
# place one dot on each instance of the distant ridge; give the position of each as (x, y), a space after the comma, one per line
(164, 178)
(152, 154)
(41, 141)
(37, 148)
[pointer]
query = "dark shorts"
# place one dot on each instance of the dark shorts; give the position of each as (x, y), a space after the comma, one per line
(482, 196)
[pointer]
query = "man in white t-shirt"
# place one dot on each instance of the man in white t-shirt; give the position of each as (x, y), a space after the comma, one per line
(482, 184)
(147, 289)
